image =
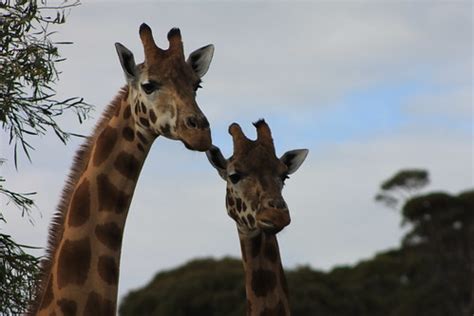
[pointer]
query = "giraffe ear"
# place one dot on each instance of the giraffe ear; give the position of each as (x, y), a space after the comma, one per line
(294, 158)
(200, 59)
(218, 161)
(127, 61)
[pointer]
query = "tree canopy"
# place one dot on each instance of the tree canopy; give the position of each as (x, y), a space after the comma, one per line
(431, 273)
(401, 186)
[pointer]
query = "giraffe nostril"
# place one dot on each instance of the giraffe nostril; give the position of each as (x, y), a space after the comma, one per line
(196, 122)
(191, 122)
(278, 204)
(281, 204)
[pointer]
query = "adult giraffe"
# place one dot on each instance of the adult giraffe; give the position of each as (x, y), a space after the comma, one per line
(255, 179)
(81, 272)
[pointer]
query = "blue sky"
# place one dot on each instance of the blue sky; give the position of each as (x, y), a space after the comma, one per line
(369, 87)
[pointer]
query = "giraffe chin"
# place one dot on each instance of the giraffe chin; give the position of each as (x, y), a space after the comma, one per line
(199, 147)
(202, 144)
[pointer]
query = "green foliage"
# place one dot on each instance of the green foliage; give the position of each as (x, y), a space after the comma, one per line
(18, 271)
(28, 59)
(409, 179)
(432, 273)
(21, 201)
(201, 287)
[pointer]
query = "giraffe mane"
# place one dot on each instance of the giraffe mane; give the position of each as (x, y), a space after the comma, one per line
(56, 227)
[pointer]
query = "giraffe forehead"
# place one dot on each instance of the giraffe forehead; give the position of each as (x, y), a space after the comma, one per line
(170, 71)
(257, 160)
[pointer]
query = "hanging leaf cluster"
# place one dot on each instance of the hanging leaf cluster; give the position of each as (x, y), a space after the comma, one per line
(28, 74)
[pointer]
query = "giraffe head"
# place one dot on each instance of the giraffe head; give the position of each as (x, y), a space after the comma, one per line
(255, 177)
(162, 90)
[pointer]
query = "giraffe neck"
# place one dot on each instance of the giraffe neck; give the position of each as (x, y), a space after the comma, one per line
(81, 277)
(265, 282)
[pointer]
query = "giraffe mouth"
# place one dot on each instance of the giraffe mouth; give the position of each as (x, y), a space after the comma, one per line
(268, 227)
(198, 147)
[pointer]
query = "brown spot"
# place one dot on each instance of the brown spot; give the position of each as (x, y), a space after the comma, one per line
(104, 145)
(52, 314)
(98, 306)
(270, 251)
(238, 204)
(74, 262)
(230, 200)
(136, 109)
(110, 198)
(144, 122)
(251, 220)
(68, 307)
(128, 134)
(152, 116)
(143, 107)
(142, 138)
(245, 221)
(256, 243)
(244, 206)
(127, 165)
(79, 210)
(140, 147)
(127, 112)
(263, 282)
(48, 293)
(108, 270)
(110, 235)
(233, 214)
(165, 129)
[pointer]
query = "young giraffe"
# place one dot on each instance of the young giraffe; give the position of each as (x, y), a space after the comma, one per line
(255, 179)
(80, 275)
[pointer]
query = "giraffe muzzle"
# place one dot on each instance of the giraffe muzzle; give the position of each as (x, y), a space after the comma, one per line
(272, 221)
(196, 138)
(195, 133)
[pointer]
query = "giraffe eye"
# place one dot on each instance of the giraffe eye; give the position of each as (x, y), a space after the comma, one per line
(150, 86)
(235, 177)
